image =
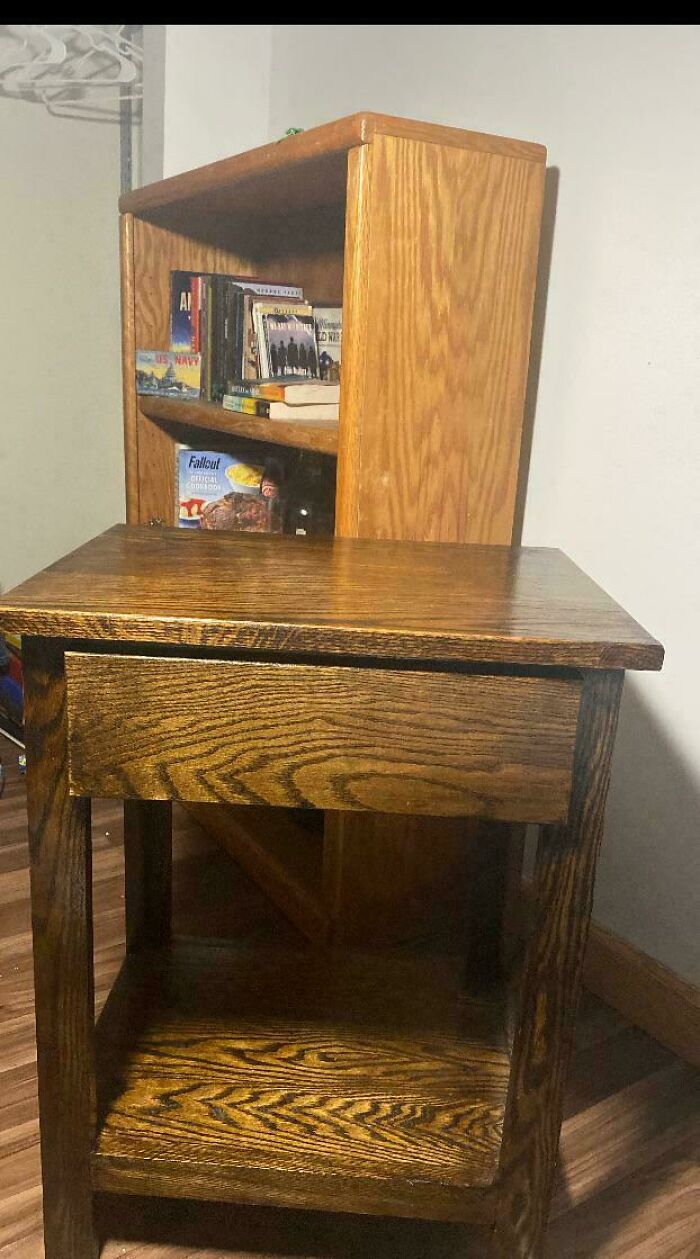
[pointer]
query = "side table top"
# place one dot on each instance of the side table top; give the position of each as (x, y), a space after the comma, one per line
(396, 600)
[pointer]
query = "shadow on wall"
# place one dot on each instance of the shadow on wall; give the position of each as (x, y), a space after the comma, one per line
(544, 266)
(654, 800)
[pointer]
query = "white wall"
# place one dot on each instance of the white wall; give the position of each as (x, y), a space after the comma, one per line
(616, 451)
(217, 93)
(61, 446)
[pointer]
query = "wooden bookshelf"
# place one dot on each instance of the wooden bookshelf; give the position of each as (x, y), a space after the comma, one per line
(428, 237)
(214, 419)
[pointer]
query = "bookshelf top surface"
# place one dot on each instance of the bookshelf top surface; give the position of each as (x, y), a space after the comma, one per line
(317, 156)
(398, 600)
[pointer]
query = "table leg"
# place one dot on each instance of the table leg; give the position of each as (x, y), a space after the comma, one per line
(563, 888)
(147, 872)
(61, 889)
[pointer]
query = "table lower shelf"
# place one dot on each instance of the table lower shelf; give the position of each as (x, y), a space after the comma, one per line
(336, 1081)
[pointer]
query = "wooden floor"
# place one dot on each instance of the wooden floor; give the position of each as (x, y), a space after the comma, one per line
(630, 1161)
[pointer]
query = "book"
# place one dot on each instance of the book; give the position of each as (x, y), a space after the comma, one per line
(280, 410)
(291, 390)
(168, 374)
(217, 490)
(286, 339)
(184, 287)
(329, 333)
(11, 688)
(181, 337)
(196, 314)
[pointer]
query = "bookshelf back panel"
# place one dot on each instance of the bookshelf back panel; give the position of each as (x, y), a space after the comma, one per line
(157, 252)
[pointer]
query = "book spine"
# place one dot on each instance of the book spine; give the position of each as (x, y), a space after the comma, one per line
(251, 364)
(253, 389)
(207, 339)
(218, 337)
(239, 337)
(287, 292)
(228, 366)
(247, 406)
(195, 297)
(263, 364)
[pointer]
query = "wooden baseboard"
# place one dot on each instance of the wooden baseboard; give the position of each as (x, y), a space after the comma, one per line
(644, 992)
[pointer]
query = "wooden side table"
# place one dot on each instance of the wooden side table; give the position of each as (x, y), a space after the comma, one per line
(400, 677)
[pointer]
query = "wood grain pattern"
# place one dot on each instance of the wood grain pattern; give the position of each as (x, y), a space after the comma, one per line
(130, 401)
(449, 237)
(313, 736)
(283, 210)
(564, 879)
(254, 1065)
(629, 1179)
(60, 851)
(314, 159)
(205, 415)
(519, 605)
(439, 433)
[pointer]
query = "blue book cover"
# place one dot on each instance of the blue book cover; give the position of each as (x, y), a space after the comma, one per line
(181, 310)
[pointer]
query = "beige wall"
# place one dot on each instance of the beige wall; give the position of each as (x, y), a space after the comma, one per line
(616, 451)
(61, 460)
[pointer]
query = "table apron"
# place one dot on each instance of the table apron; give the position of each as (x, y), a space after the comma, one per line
(321, 736)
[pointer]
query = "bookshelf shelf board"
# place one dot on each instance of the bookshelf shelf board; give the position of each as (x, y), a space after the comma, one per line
(224, 1069)
(296, 172)
(316, 436)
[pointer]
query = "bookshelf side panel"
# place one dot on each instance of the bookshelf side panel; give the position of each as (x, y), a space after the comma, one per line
(131, 466)
(441, 259)
(449, 255)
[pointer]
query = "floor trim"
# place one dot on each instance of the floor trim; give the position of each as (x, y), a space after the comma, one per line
(644, 992)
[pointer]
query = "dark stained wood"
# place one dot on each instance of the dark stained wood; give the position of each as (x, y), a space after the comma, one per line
(325, 737)
(350, 596)
(564, 878)
(249, 1067)
(147, 872)
(279, 852)
(329, 1083)
(60, 852)
(629, 1178)
(205, 415)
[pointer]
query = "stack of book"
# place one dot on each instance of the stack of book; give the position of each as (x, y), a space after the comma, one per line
(286, 398)
(232, 334)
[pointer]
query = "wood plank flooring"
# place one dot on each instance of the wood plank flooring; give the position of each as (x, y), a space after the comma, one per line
(629, 1184)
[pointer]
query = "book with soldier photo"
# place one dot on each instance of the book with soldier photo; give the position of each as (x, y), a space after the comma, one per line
(329, 332)
(187, 299)
(289, 346)
(279, 327)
